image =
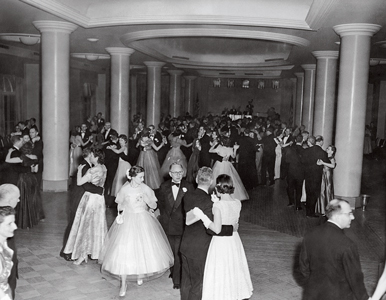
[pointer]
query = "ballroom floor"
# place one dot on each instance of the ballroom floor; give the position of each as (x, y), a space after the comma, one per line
(271, 233)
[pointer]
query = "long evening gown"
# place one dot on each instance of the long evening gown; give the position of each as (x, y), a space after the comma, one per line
(148, 160)
(175, 154)
(138, 247)
(278, 152)
(193, 162)
(326, 191)
(225, 167)
(89, 228)
(226, 275)
(120, 177)
(6, 264)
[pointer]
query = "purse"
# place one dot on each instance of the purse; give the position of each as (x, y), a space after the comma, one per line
(119, 219)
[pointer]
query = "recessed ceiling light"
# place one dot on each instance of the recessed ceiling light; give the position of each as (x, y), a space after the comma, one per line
(92, 40)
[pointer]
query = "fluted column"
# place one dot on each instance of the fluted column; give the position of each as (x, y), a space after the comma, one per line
(153, 114)
(133, 95)
(120, 76)
(308, 96)
(351, 109)
(324, 112)
(293, 102)
(55, 60)
(299, 98)
(175, 102)
(189, 94)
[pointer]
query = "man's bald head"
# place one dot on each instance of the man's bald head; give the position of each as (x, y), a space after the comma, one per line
(9, 195)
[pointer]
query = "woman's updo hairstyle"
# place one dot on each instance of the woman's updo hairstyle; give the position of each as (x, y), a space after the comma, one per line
(123, 137)
(6, 211)
(224, 184)
(177, 133)
(133, 172)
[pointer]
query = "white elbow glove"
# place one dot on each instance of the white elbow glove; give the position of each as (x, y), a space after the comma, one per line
(204, 218)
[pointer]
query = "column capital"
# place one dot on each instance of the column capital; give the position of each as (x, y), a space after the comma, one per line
(325, 54)
(190, 77)
(154, 63)
(299, 74)
(357, 29)
(175, 72)
(54, 26)
(120, 51)
(309, 66)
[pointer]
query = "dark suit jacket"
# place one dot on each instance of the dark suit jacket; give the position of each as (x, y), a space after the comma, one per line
(38, 151)
(172, 217)
(294, 159)
(269, 146)
(247, 151)
(330, 262)
(196, 240)
(204, 153)
(309, 159)
(85, 136)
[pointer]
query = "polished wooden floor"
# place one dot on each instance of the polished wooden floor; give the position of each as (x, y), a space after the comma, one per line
(271, 233)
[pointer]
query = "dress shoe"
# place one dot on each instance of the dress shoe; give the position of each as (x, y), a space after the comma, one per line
(140, 281)
(299, 208)
(176, 286)
(122, 291)
(290, 205)
(80, 260)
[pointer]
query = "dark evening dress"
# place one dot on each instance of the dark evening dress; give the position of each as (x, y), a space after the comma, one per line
(327, 190)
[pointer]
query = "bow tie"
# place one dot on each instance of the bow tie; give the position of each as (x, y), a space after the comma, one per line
(176, 184)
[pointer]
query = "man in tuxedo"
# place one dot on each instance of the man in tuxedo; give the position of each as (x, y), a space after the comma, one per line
(100, 122)
(157, 138)
(247, 154)
(204, 158)
(111, 163)
(170, 197)
(10, 196)
(23, 127)
(107, 131)
(76, 194)
(38, 151)
(295, 175)
(269, 156)
(84, 133)
(314, 172)
(287, 140)
(329, 260)
(196, 238)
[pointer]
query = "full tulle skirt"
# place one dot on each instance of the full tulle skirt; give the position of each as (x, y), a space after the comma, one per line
(226, 275)
(89, 228)
(137, 248)
(225, 167)
(120, 176)
(149, 161)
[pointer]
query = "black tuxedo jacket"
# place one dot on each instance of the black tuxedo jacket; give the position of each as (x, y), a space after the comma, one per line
(247, 151)
(204, 160)
(38, 151)
(269, 146)
(106, 134)
(309, 159)
(85, 136)
(330, 262)
(294, 159)
(172, 217)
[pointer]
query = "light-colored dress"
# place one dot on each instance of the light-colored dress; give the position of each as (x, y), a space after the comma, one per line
(148, 160)
(139, 247)
(226, 275)
(120, 177)
(175, 154)
(89, 229)
(225, 167)
(6, 264)
(75, 154)
(278, 152)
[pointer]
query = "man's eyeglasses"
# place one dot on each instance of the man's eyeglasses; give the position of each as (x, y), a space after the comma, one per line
(177, 173)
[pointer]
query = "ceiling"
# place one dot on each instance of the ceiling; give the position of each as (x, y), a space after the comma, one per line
(211, 38)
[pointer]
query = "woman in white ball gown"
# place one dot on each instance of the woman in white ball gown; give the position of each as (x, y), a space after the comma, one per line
(137, 248)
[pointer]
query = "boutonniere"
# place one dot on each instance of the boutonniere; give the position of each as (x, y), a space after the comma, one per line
(156, 140)
(184, 189)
